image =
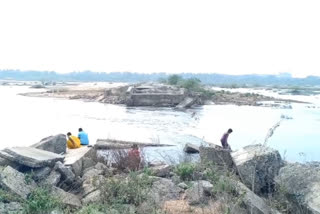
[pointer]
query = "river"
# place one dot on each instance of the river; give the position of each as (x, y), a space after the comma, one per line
(26, 120)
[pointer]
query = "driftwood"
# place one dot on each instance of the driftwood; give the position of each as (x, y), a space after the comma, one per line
(120, 144)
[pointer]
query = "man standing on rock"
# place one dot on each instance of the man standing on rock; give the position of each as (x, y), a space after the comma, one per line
(83, 137)
(224, 140)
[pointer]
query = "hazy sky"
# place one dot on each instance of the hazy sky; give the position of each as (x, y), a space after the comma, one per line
(231, 37)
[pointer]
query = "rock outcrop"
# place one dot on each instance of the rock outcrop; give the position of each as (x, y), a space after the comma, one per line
(257, 166)
(301, 183)
(31, 157)
(56, 144)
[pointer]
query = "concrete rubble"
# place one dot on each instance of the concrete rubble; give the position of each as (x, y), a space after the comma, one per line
(31, 157)
(55, 144)
(258, 166)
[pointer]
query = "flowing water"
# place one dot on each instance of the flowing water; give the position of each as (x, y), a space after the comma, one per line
(26, 120)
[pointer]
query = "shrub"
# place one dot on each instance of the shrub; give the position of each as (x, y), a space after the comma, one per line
(185, 171)
(126, 191)
(40, 200)
(174, 79)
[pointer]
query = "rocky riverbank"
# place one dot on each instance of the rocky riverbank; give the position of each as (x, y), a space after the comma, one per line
(151, 94)
(41, 179)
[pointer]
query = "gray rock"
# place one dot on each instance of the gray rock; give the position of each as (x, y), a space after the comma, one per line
(53, 179)
(183, 185)
(66, 173)
(163, 190)
(77, 167)
(15, 182)
(91, 184)
(101, 166)
(217, 156)
(41, 173)
(66, 198)
(301, 183)
(11, 208)
(199, 192)
(92, 173)
(161, 171)
(56, 144)
(87, 163)
(92, 197)
(258, 165)
(31, 157)
(190, 148)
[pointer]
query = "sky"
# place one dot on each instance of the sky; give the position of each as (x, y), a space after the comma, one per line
(172, 36)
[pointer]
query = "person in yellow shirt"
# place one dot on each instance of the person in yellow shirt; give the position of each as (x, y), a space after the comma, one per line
(73, 142)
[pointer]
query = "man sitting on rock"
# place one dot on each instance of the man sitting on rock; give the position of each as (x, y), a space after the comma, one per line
(224, 140)
(83, 137)
(73, 142)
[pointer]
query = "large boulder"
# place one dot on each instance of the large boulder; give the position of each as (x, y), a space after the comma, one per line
(163, 190)
(257, 166)
(217, 156)
(301, 183)
(199, 192)
(41, 173)
(31, 157)
(66, 198)
(161, 170)
(56, 144)
(15, 182)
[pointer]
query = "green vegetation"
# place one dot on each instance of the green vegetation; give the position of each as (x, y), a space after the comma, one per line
(7, 197)
(185, 171)
(40, 200)
(191, 84)
(131, 190)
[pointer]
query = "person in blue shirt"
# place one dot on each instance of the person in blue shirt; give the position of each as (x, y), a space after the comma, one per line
(83, 137)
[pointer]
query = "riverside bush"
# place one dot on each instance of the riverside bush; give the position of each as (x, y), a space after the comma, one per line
(185, 171)
(41, 201)
(132, 190)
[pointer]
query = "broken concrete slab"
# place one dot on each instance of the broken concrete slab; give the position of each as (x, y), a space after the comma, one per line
(15, 182)
(74, 158)
(31, 157)
(191, 148)
(56, 144)
(199, 192)
(106, 144)
(66, 173)
(257, 166)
